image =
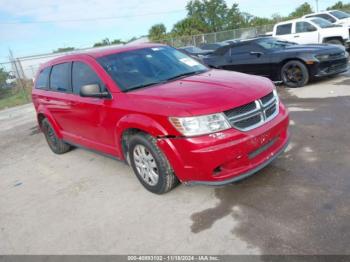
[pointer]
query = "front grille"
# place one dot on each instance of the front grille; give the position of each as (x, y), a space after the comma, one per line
(246, 123)
(254, 114)
(270, 111)
(241, 110)
(337, 55)
(337, 67)
(267, 98)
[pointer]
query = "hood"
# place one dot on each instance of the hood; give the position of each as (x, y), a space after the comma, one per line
(210, 92)
(312, 48)
(338, 30)
(203, 52)
(345, 21)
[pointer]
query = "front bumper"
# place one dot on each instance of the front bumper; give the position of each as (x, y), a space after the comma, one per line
(227, 156)
(244, 175)
(331, 67)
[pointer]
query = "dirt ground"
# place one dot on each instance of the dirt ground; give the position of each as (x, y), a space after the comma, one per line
(85, 203)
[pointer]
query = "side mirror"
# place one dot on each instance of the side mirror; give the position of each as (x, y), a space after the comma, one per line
(93, 90)
(258, 54)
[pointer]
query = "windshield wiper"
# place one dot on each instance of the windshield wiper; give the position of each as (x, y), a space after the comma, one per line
(166, 80)
(185, 74)
(142, 86)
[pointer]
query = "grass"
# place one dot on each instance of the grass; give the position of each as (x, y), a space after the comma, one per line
(10, 99)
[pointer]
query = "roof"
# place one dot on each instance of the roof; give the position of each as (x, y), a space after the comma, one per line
(99, 52)
(120, 49)
(294, 20)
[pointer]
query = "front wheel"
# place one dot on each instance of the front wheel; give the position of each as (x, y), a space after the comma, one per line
(334, 42)
(295, 74)
(150, 165)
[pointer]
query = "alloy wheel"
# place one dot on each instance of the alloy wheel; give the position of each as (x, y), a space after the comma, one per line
(146, 165)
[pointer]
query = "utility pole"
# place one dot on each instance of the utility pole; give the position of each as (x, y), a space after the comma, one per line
(18, 75)
(316, 5)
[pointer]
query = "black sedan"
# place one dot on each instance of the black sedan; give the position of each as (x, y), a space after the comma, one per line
(194, 51)
(278, 60)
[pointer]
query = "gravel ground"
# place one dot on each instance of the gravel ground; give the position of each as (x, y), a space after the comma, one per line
(84, 203)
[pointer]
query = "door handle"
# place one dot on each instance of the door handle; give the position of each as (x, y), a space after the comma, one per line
(296, 36)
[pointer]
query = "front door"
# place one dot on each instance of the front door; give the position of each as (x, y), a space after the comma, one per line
(306, 33)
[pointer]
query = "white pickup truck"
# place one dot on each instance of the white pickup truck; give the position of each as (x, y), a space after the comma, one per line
(334, 16)
(312, 31)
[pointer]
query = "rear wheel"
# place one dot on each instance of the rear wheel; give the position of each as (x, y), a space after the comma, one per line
(56, 144)
(150, 165)
(294, 74)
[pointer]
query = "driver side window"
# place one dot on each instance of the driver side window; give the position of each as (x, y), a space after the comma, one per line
(304, 27)
(82, 75)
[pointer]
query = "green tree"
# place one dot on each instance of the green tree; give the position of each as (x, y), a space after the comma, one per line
(340, 6)
(188, 26)
(304, 9)
(104, 42)
(157, 32)
(63, 49)
(210, 14)
(3, 77)
(117, 42)
(236, 19)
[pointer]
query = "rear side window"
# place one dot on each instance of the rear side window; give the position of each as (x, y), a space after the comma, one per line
(285, 29)
(82, 74)
(60, 78)
(43, 79)
(304, 27)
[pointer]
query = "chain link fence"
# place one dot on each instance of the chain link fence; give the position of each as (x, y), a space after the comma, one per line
(15, 87)
(197, 40)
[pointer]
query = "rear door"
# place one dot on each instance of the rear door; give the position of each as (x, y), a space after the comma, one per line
(285, 32)
(306, 33)
(58, 100)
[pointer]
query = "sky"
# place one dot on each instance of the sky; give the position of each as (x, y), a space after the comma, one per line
(30, 27)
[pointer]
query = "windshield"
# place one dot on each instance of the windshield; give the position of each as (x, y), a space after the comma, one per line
(323, 23)
(271, 43)
(149, 66)
(340, 15)
(193, 49)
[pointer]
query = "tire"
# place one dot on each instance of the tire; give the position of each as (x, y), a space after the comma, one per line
(334, 42)
(295, 74)
(142, 148)
(56, 145)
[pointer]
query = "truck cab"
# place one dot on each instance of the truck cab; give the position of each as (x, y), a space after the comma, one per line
(333, 16)
(311, 31)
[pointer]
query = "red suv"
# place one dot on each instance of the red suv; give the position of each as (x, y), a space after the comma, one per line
(168, 116)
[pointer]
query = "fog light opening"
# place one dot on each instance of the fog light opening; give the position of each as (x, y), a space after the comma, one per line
(217, 171)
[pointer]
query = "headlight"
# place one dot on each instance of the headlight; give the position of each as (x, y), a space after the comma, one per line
(200, 125)
(322, 57)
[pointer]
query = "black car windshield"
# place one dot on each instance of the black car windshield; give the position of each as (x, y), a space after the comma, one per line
(323, 23)
(149, 66)
(192, 49)
(340, 15)
(271, 43)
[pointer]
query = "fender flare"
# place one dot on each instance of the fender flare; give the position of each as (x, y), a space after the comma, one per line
(47, 114)
(140, 122)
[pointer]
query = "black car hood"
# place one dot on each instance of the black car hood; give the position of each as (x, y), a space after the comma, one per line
(203, 52)
(311, 48)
